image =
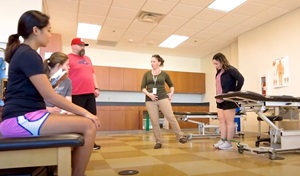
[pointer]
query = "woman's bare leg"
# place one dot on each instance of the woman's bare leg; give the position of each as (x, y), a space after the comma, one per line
(222, 122)
(229, 115)
(59, 124)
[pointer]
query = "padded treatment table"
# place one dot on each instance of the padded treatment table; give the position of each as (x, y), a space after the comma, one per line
(281, 140)
(189, 116)
(39, 151)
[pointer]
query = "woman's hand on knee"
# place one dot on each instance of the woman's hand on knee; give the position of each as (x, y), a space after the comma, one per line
(94, 119)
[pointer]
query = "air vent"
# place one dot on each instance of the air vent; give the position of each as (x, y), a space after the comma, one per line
(149, 17)
(107, 43)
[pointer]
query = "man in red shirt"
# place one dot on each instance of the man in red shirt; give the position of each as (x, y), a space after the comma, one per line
(84, 83)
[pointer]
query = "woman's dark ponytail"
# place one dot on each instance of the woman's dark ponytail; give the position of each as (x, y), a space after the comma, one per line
(11, 46)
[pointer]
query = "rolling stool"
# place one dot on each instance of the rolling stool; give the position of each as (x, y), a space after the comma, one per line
(272, 118)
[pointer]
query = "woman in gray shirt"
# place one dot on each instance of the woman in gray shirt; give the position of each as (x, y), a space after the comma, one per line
(57, 61)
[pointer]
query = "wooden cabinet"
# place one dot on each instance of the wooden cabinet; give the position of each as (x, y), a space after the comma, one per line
(115, 118)
(198, 83)
(140, 76)
(115, 78)
(132, 118)
(103, 115)
(128, 79)
(172, 75)
(102, 76)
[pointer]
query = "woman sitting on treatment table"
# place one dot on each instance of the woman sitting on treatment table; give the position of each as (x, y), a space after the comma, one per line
(24, 113)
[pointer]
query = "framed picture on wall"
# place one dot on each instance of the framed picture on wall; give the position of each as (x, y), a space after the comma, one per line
(281, 76)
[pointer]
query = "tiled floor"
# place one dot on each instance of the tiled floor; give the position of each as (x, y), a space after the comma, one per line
(134, 151)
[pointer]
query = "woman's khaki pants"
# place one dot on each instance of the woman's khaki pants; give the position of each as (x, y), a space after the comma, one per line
(164, 105)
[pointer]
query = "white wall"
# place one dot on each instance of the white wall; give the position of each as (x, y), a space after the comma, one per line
(138, 60)
(258, 49)
(10, 12)
(253, 55)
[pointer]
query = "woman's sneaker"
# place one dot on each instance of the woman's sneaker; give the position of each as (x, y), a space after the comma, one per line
(157, 146)
(225, 146)
(182, 140)
(217, 145)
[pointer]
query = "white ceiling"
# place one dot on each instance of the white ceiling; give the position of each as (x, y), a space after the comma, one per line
(208, 30)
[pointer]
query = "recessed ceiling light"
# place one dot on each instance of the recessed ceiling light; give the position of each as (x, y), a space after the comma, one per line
(173, 41)
(88, 31)
(225, 5)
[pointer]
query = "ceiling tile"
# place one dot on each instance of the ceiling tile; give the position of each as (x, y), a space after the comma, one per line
(194, 41)
(59, 17)
(91, 19)
(196, 24)
(237, 30)
(155, 38)
(123, 13)
(137, 36)
(131, 4)
(157, 6)
(141, 26)
(266, 2)
(117, 22)
(209, 15)
(52, 6)
(288, 4)
(206, 34)
(250, 8)
(187, 11)
(93, 9)
(218, 27)
(186, 32)
(174, 21)
(271, 13)
(111, 34)
(197, 3)
(253, 22)
(102, 2)
(232, 19)
(165, 29)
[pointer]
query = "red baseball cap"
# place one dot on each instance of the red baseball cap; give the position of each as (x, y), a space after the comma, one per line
(78, 41)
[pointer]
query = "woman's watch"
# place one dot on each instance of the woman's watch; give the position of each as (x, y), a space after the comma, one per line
(97, 88)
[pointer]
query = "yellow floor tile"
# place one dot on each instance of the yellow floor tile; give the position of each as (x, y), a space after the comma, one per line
(163, 151)
(117, 149)
(203, 167)
(277, 170)
(133, 162)
(125, 151)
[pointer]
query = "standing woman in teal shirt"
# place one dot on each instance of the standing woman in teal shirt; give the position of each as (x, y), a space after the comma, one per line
(157, 98)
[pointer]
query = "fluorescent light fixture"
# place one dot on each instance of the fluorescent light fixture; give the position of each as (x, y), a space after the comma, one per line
(173, 41)
(88, 31)
(225, 5)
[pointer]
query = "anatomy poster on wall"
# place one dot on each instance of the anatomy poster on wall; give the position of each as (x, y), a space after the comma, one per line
(281, 71)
